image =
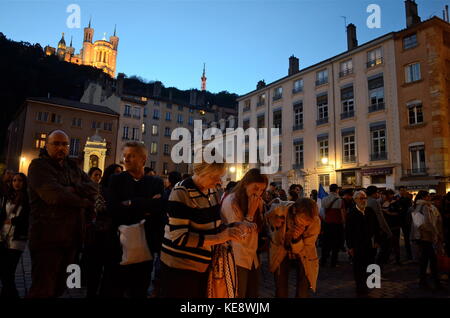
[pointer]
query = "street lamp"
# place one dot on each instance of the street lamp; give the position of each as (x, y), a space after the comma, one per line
(22, 161)
(324, 160)
(232, 169)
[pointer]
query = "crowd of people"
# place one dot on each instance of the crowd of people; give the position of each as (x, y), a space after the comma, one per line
(125, 225)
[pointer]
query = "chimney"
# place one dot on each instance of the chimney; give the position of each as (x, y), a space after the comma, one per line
(260, 84)
(412, 16)
(293, 65)
(157, 89)
(119, 84)
(446, 13)
(192, 97)
(170, 94)
(352, 41)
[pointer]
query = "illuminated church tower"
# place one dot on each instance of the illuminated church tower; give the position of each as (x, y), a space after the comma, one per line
(204, 79)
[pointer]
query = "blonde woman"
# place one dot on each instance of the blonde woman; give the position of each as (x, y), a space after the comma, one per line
(194, 226)
(295, 227)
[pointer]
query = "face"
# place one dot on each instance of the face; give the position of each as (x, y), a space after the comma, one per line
(256, 189)
(96, 176)
(134, 159)
(298, 190)
(7, 177)
(303, 219)
(118, 170)
(17, 183)
(211, 179)
(361, 201)
(58, 146)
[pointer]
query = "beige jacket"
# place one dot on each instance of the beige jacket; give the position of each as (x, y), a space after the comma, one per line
(305, 249)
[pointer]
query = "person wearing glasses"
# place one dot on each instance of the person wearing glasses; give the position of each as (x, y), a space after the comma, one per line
(362, 236)
(59, 192)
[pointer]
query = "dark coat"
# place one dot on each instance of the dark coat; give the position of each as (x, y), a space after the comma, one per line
(122, 188)
(20, 222)
(56, 198)
(361, 231)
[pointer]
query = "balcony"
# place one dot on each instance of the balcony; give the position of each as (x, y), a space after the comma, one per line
(277, 97)
(322, 82)
(261, 103)
(297, 127)
(422, 171)
(376, 107)
(375, 62)
(322, 121)
(346, 72)
(349, 159)
(298, 166)
(349, 114)
(297, 90)
(378, 156)
(246, 109)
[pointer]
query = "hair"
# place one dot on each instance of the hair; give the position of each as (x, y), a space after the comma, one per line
(109, 171)
(92, 170)
(292, 187)
(174, 177)
(148, 169)
(283, 195)
(422, 194)
(293, 195)
(273, 184)
(240, 190)
(186, 175)
(371, 190)
(230, 186)
(357, 193)
(334, 187)
(306, 206)
(205, 168)
(136, 144)
(347, 191)
(19, 197)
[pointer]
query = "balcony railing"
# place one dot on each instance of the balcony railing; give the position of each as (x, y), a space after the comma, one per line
(321, 121)
(378, 156)
(321, 82)
(349, 159)
(417, 171)
(297, 127)
(297, 90)
(346, 72)
(258, 104)
(246, 109)
(376, 107)
(298, 166)
(348, 114)
(375, 62)
(277, 97)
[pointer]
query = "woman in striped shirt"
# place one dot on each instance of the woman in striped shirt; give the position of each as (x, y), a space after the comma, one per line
(194, 227)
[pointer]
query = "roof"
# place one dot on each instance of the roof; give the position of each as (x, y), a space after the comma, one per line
(57, 101)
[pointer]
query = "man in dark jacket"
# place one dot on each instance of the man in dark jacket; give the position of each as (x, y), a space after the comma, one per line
(135, 197)
(362, 236)
(59, 192)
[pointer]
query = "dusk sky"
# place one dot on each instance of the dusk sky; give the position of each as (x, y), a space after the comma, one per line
(240, 41)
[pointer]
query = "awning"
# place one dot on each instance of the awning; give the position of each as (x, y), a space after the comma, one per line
(376, 171)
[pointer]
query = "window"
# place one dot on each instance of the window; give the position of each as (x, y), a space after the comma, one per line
(324, 179)
(374, 57)
(298, 116)
(378, 179)
(322, 109)
(166, 149)
(280, 157)
(321, 77)
(246, 105)
(154, 148)
(180, 119)
(137, 113)
(168, 116)
(156, 114)
(145, 111)
(347, 101)
(74, 150)
(40, 140)
(153, 165)
(135, 135)
(298, 154)
(107, 126)
(412, 73)
(54, 118)
(96, 124)
(261, 100)
(167, 131)
(42, 116)
(378, 136)
(76, 122)
(261, 121)
(165, 168)
(415, 113)
(376, 93)
(277, 119)
(125, 132)
(180, 108)
(323, 150)
(410, 41)
(298, 86)
(127, 111)
(348, 147)
(191, 121)
(154, 130)
(346, 68)
(348, 178)
(278, 93)
(417, 154)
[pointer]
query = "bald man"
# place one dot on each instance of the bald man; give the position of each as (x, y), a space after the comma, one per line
(59, 192)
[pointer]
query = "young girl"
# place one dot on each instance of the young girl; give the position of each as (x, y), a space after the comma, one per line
(294, 231)
(14, 218)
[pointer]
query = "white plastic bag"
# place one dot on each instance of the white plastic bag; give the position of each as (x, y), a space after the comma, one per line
(134, 244)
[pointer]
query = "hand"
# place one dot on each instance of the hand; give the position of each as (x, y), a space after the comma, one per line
(351, 252)
(297, 231)
(157, 196)
(232, 233)
(254, 202)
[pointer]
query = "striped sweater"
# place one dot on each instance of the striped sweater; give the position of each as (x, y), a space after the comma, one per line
(192, 215)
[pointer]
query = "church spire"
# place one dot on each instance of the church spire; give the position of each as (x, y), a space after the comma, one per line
(204, 78)
(71, 38)
(115, 26)
(90, 18)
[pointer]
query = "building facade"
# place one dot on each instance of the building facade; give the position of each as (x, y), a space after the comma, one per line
(28, 132)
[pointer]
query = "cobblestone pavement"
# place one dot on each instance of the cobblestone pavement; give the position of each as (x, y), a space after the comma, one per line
(398, 282)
